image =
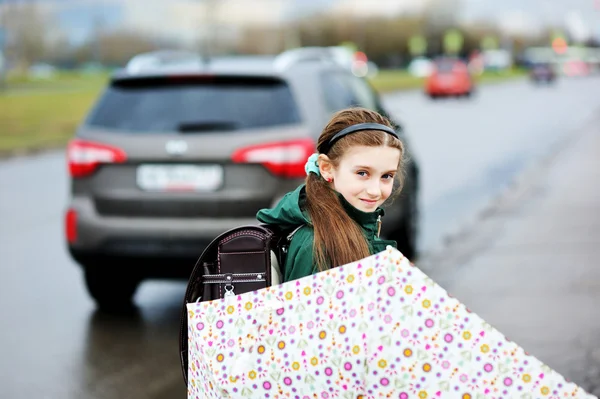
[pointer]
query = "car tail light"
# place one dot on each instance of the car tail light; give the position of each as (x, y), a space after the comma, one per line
(284, 159)
(71, 225)
(84, 157)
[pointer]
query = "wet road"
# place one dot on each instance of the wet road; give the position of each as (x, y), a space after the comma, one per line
(470, 150)
(54, 345)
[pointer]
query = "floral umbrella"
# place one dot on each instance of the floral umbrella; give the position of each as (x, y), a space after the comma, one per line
(378, 327)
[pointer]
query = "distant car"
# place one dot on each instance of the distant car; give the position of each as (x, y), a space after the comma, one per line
(542, 73)
(168, 158)
(420, 67)
(449, 77)
(576, 68)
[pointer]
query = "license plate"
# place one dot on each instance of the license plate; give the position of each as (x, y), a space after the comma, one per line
(180, 177)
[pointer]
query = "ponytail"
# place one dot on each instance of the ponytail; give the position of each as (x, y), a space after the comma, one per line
(338, 238)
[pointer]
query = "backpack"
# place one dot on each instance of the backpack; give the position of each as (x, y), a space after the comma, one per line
(243, 259)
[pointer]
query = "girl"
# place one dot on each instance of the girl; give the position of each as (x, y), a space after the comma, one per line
(338, 208)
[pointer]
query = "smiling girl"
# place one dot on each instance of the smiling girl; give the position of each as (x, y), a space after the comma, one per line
(339, 207)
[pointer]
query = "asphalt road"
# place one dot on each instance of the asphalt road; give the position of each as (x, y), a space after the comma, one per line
(54, 344)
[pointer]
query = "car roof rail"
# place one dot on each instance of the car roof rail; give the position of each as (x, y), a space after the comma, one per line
(164, 60)
(303, 54)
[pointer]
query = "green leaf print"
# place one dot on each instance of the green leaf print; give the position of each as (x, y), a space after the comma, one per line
(240, 323)
(271, 341)
(276, 375)
(444, 386)
(466, 355)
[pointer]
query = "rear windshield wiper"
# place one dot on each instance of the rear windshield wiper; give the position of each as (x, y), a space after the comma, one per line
(202, 126)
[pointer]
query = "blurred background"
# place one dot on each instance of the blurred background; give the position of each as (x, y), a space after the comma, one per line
(133, 131)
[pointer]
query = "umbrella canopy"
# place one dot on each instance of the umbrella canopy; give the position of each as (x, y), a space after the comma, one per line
(378, 327)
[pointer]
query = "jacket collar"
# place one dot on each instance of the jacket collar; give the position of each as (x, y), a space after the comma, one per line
(367, 220)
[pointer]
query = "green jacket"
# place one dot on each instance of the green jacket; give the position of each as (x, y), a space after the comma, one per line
(290, 213)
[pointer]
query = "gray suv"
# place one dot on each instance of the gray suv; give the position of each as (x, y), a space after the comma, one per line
(168, 158)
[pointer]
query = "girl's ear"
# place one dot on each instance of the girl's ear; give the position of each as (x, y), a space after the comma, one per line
(325, 167)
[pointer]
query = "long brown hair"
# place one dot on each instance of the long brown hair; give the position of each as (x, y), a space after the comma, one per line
(338, 238)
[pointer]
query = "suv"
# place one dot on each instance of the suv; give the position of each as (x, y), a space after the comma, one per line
(168, 158)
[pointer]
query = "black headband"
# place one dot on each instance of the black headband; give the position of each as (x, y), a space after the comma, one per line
(325, 147)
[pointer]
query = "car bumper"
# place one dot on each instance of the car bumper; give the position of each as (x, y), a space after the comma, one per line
(144, 237)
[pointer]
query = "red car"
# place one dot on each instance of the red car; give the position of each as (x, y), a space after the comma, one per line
(449, 77)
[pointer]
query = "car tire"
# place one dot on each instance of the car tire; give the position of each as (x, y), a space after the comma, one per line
(406, 236)
(112, 290)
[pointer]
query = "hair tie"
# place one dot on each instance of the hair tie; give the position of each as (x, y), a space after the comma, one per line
(312, 165)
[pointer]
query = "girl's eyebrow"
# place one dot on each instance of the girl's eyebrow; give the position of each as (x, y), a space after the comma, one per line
(369, 169)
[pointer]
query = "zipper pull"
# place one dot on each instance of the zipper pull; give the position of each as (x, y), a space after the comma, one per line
(378, 225)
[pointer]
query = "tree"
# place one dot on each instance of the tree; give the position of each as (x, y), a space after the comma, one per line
(30, 33)
(114, 48)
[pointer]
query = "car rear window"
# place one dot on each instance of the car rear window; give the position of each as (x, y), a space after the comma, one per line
(194, 104)
(445, 65)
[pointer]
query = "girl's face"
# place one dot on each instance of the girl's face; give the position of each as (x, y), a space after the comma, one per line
(364, 176)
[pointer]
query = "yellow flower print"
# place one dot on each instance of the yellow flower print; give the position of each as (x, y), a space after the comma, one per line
(322, 334)
(545, 391)
(248, 305)
(426, 303)
(356, 349)
(369, 272)
(485, 348)
(466, 396)
(289, 295)
(382, 364)
(281, 345)
(342, 329)
(422, 394)
(409, 289)
(427, 367)
(307, 290)
(220, 357)
(314, 361)
(526, 378)
(350, 278)
(252, 375)
(407, 352)
(230, 309)
(233, 379)
(467, 335)
(296, 366)
(261, 349)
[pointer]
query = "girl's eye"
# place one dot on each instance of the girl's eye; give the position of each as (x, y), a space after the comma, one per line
(387, 176)
(361, 173)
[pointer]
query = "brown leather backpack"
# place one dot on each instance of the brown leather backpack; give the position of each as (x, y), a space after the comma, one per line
(243, 259)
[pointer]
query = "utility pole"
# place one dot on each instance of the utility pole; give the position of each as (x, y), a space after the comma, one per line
(210, 9)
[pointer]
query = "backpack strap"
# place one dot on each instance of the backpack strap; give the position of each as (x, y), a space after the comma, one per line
(291, 235)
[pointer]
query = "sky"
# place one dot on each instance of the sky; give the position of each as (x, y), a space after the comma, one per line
(78, 18)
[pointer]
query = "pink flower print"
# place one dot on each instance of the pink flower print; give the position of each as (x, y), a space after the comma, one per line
(517, 371)
(458, 327)
(438, 357)
(222, 344)
(494, 355)
(414, 340)
(435, 310)
(344, 315)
